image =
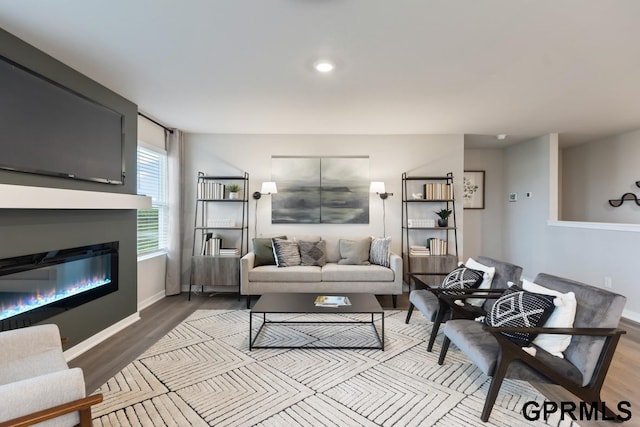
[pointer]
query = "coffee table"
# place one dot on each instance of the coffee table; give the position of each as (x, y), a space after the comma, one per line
(300, 303)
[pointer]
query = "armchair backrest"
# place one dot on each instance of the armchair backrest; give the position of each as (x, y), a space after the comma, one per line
(505, 272)
(29, 352)
(596, 308)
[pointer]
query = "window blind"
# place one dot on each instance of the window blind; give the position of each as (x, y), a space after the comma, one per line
(152, 181)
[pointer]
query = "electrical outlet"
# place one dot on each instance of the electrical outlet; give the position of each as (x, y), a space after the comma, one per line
(513, 197)
(607, 282)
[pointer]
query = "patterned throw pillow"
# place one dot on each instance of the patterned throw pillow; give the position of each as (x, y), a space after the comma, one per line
(313, 253)
(519, 308)
(380, 250)
(462, 278)
(286, 252)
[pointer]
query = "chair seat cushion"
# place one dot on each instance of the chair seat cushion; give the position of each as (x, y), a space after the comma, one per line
(426, 302)
(483, 348)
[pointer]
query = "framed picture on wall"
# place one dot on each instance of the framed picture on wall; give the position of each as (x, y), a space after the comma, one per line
(473, 190)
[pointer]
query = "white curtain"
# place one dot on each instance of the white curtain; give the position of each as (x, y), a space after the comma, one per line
(175, 156)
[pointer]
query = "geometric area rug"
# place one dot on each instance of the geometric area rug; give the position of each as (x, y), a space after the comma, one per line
(202, 373)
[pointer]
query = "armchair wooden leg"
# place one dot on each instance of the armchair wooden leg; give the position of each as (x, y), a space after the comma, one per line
(435, 328)
(394, 299)
(444, 349)
(409, 313)
(85, 417)
(498, 376)
(248, 301)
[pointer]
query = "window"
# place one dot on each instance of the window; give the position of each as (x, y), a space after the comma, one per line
(152, 181)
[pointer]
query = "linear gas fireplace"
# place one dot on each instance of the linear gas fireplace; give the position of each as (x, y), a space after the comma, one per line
(37, 286)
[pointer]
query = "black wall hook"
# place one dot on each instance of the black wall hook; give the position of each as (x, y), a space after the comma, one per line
(625, 196)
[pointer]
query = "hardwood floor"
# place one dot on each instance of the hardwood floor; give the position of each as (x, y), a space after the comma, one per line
(106, 359)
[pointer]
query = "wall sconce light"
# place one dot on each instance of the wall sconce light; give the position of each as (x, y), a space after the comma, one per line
(268, 187)
(378, 188)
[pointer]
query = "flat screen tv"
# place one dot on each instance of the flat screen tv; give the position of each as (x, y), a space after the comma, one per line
(46, 128)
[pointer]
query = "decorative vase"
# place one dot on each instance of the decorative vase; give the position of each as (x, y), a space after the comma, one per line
(443, 222)
(233, 196)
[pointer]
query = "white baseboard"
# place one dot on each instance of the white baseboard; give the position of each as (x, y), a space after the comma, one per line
(96, 339)
(631, 315)
(152, 299)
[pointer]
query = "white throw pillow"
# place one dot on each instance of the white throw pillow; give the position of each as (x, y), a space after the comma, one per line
(562, 317)
(489, 272)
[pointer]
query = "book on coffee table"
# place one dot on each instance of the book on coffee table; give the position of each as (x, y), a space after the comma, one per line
(331, 301)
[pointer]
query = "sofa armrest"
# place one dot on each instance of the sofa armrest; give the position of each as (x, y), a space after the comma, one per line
(246, 265)
(395, 263)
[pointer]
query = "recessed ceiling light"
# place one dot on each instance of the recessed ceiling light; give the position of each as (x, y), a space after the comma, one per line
(324, 66)
(502, 136)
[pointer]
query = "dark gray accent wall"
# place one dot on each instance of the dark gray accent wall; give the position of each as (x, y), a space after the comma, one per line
(30, 231)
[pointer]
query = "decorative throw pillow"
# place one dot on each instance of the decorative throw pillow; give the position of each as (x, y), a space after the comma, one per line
(380, 250)
(489, 272)
(462, 278)
(355, 252)
(263, 250)
(313, 253)
(286, 252)
(562, 317)
(519, 308)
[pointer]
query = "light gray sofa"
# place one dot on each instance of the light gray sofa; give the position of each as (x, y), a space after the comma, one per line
(332, 278)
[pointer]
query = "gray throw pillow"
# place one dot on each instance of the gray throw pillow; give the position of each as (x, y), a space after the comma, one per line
(380, 250)
(313, 253)
(355, 252)
(286, 252)
(263, 250)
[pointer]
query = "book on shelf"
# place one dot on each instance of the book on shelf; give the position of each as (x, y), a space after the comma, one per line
(332, 301)
(437, 246)
(211, 244)
(229, 251)
(437, 191)
(416, 250)
(211, 190)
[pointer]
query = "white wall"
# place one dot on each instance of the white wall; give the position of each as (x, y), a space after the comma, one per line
(390, 156)
(586, 255)
(598, 171)
(484, 227)
(151, 276)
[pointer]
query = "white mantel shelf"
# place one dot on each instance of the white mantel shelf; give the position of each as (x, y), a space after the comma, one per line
(26, 197)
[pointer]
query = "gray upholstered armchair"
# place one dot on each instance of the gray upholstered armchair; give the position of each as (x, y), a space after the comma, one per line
(437, 307)
(585, 362)
(36, 385)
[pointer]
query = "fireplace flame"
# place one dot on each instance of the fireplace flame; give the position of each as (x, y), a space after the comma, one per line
(39, 299)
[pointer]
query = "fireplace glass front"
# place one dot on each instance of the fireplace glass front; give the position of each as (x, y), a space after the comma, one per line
(37, 286)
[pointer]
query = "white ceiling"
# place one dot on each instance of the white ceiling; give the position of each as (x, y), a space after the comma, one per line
(482, 67)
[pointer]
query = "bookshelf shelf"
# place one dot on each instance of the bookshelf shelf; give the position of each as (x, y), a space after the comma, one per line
(426, 247)
(218, 244)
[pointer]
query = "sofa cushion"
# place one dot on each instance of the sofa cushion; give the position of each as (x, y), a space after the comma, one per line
(263, 250)
(380, 250)
(356, 273)
(520, 308)
(313, 253)
(355, 252)
(286, 252)
(272, 273)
